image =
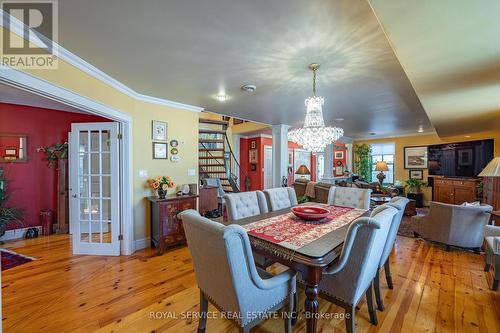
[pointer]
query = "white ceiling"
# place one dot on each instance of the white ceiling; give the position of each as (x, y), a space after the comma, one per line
(188, 51)
(450, 50)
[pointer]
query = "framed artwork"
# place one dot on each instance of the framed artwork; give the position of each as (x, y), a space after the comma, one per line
(174, 143)
(253, 144)
(253, 157)
(253, 167)
(416, 174)
(465, 157)
(160, 150)
(290, 159)
(174, 151)
(339, 155)
(415, 157)
(159, 130)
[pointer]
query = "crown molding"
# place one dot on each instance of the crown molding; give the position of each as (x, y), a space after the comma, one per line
(375, 137)
(18, 27)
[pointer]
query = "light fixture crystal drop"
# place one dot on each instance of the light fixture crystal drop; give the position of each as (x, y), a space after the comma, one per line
(314, 136)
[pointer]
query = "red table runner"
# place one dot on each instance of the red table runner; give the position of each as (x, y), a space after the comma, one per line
(292, 232)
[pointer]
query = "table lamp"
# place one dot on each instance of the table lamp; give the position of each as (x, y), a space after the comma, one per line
(381, 166)
(491, 181)
(303, 171)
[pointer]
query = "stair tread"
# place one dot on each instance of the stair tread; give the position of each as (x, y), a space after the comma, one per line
(210, 149)
(209, 131)
(213, 122)
(211, 140)
(210, 157)
(211, 165)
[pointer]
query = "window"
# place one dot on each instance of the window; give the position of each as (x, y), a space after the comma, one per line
(383, 152)
(320, 166)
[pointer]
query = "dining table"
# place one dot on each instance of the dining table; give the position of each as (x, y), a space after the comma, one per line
(307, 247)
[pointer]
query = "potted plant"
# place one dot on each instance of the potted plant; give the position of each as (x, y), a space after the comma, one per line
(415, 185)
(362, 161)
(161, 185)
(8, 215)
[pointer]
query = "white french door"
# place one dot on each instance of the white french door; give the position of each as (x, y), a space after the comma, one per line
(94, 188)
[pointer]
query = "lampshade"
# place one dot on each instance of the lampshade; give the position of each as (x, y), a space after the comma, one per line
(492, 169)
(381, 166)
(303, 170)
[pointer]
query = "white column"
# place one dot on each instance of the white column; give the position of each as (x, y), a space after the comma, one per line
(280, 153)
(328, 162)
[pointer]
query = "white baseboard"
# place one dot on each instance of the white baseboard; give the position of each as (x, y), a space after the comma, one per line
(142, 243)
(18, 233)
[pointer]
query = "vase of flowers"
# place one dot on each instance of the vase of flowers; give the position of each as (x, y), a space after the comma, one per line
(161, 185)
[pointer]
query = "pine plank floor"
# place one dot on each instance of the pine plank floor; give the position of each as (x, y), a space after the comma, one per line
(434, 291)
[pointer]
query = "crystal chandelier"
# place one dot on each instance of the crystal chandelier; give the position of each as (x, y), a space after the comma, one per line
(314, 136)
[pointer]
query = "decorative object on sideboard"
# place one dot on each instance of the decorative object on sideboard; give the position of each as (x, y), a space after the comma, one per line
(8, 214)
(303, 171)
(314, 136)
(160, 150)
(159, 130)
(491, 183)
(13, 148)
(161, 185)
(381, 166)
(416, 174)
(415, 157)
(31, 233)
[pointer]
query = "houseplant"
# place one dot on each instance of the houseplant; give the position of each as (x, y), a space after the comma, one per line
(161, 184)
(362, 161)
(415, 185)
(7, 214)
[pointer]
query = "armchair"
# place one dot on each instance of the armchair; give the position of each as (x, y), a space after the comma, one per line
(492, 235)
(461, 226)
(227, 276)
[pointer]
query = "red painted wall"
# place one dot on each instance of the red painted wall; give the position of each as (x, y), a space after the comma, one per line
(33, 185)
(339, 147)
(257, 176)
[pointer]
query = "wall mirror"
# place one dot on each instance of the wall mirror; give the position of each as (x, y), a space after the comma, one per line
(13, 148)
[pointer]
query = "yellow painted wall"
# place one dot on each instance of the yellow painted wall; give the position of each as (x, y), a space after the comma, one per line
(182, 126)
(400, 173)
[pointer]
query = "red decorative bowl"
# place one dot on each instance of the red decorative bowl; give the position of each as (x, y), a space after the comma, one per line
(310, 213)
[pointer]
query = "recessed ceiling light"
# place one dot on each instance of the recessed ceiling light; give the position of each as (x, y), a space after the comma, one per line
(420, 129)
(372, 133)
(249, 87)
(338, 120)
(222, 97)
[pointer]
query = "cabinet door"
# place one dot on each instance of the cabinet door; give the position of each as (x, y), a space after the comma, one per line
(172, 224)
(445, 194)
(185, 205)
(463, 194)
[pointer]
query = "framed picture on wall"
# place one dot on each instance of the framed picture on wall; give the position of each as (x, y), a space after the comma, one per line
(290, 159)
(253, 144)
(253, 156)
(416, 174)
(159, 130)
(415, 157)
(339, 155)
(160, 150)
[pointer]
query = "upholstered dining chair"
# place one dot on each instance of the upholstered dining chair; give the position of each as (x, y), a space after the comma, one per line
(345, 282)
(227, 276)
(400, 204)
(281, 198)
(215, 182)
(492, 238)
(349, 196)
(245, 204)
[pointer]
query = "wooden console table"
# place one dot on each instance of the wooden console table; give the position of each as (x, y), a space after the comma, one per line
(166, 227)
(209, 200)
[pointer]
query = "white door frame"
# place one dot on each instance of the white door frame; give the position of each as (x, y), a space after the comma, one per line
(269, 167)
(40, 87)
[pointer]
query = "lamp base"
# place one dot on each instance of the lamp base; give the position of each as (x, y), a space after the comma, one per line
(381, 178)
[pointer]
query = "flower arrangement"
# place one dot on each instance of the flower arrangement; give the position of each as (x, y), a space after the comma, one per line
(161, 184)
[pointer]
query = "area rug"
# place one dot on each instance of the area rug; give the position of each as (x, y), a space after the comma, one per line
(405, 228)
(11, 259)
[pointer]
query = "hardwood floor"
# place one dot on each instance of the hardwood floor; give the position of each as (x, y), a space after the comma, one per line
(434, 291)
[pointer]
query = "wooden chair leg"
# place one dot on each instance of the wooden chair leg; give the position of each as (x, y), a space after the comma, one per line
(288, 315)
(495, 284)
(350, 319)
(295, 311)
(378, 296)
(388, 276)
(202, 324)
(369, 302)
